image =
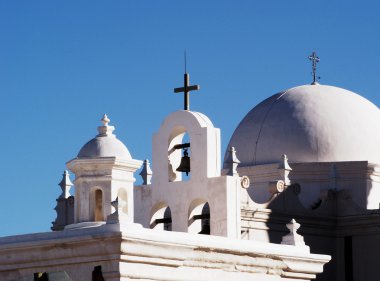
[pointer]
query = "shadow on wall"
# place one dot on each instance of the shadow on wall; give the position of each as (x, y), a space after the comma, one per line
(335, 225)
(315, 229)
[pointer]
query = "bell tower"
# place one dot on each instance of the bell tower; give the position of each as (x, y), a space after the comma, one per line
(204, 202)
(103, 173)
(187, 192)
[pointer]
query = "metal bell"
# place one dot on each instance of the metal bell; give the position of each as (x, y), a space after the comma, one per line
(184, 166)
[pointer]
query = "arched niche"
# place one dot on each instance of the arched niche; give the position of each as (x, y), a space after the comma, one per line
(98, 205)
(122, 195)
(199, 217)
(161, 217)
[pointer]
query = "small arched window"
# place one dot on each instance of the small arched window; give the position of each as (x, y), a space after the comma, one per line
(98, 210)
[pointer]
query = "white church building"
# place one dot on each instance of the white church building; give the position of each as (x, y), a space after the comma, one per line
(297, 199)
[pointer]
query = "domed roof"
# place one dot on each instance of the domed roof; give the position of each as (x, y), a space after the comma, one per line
(105, 144)
(310, 123)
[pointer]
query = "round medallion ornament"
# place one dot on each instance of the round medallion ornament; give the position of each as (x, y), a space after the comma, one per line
(245, 182)
(280, 186)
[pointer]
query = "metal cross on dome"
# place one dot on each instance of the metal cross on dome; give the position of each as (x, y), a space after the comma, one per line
(313, 57)
(186, 89)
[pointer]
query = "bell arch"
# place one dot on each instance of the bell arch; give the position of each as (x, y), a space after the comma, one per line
(161, 217)
(204, 141)
(179, 155)
(199, 217)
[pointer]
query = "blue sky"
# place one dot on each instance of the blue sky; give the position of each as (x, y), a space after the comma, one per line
(65, 63)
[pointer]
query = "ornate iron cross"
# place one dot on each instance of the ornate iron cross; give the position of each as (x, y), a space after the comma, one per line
(186, 89)
(313, 57)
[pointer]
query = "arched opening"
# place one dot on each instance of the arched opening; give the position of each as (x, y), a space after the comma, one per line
(179, 155)
(97, 274)
(98, 210)
(122, 195)
(161, 218)
(199, 217)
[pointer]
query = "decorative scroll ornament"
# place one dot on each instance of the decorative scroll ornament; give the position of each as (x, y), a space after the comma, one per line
(276, 187)
(245, 182)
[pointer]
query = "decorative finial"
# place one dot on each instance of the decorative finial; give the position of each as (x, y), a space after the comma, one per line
(186, 88)
(146, 172)
(313, 57)
(284, 170)
(232, 161)
(105, 130)
(65, 185)
(105, 120)
(65, 204)
(293, 238)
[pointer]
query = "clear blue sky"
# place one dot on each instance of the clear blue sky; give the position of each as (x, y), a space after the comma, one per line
(65, 63)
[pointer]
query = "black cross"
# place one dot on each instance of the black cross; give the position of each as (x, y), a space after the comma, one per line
(313, 57)
(186, 89)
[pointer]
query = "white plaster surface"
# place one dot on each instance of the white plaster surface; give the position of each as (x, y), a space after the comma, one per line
(222, 193)
(360, 178)
(127, 251)
(103, 165)
(113, 176)
(104, 147)
(105, 144)
(310, 123)
(149, 255)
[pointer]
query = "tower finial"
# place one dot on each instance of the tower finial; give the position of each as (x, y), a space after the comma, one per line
(186, 88)
(105, 120)
(313, 57)
(105, 130)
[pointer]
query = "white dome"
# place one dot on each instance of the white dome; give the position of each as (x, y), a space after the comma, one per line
(310, 123)
(105, 144)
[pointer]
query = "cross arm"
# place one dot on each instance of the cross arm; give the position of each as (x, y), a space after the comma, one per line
(187, 89)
